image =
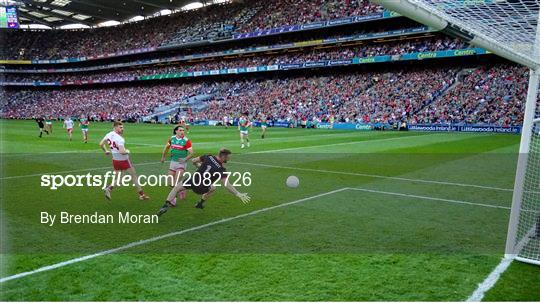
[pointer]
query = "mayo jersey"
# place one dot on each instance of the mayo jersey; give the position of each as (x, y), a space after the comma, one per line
(68, 123)
(179, 147)
(114, 141)
(244, 123)
(84, 123)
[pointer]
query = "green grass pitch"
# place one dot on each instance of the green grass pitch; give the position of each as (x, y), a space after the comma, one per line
(377, 216)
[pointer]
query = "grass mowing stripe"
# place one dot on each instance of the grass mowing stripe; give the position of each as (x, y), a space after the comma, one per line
(490, 280)
(338, 144)
(293, 168)
(157, 238)
(147, 163)
(311, 137)
(69, 171)
(213, 143)
(375, 176)
(427, 198)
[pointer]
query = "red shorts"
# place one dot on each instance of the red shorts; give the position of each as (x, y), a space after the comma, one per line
(70, 130)
(121, 164)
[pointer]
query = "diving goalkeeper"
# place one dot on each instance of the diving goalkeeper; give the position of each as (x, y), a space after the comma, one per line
(209, 170)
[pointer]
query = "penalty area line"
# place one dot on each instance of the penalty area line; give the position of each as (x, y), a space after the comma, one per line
(429, 198)
(157, 238)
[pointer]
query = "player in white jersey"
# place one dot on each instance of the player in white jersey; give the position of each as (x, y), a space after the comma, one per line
(68, 125)
(226, 121)
(120, 158)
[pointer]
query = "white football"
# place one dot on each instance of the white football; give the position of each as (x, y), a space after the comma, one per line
(292, 181)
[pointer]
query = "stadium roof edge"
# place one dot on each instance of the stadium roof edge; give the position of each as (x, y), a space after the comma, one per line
(95, 12)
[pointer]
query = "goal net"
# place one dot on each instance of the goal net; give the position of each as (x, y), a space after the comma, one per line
(527, 240)
(508, 28)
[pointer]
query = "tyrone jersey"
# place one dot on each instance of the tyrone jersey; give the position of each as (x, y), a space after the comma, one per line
(114, 141)
(68, 123)
(179, 147)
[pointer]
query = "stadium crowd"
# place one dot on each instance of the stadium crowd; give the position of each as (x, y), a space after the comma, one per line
(129, 103)
(368, 97)
(276, 13)
(336, 53)
(492, 94)
(187, 26)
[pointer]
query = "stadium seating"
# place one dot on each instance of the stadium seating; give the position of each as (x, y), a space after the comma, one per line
(477, 94)
(493, 95)
(339, 53)
(211, 22)
(415, 95)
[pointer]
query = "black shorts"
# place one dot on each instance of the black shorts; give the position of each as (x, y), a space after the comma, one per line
(200, 189)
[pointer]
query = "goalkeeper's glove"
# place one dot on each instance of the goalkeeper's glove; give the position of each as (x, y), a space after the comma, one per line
(244, 197)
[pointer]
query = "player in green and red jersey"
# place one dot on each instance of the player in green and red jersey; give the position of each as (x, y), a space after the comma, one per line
(181, 152)
(48, 124)
(83, 124)
(243, 125)
(264, 125)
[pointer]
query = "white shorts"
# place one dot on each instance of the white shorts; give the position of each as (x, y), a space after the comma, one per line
(177, 165)
(84, 130)
(243, 132)
(263, 126)
(48, 123)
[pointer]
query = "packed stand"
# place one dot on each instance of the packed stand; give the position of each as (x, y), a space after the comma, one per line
(366, 98)
(129, 103)
(336, 53)
(487, 95)
(211, 22)
(493, 95)
(153, 32)
(277, 13)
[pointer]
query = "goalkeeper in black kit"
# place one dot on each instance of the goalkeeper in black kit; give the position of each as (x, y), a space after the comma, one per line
(210, 169)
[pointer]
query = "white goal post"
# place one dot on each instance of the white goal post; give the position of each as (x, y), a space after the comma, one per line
(508, 28)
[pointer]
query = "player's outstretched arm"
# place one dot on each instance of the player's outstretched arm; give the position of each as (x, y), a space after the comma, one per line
(244, 197)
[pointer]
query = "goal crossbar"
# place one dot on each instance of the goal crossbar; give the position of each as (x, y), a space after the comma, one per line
(508, 34)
